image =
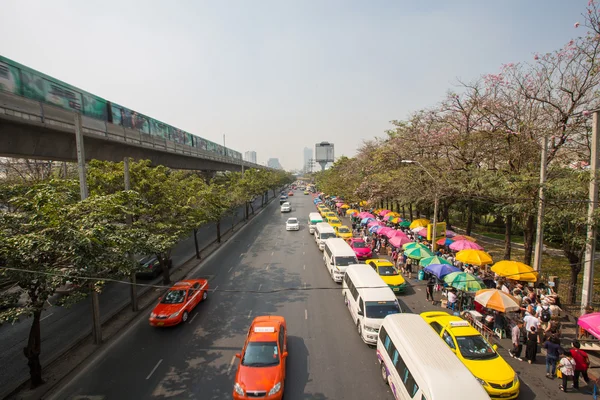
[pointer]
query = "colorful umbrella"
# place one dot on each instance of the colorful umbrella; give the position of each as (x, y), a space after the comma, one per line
(450, 234)
(495, 299)
(433, 260)
(365, 221)
(371, 223)
(445, 242)
(362, 203)
(515, 270)
(384, 230)
(417, 223)
(418, 252)
(374, 228)
(464, 237)
(399, 240)
(365, 214)
(392, 232)
(464, 281)
(412, 245)
(405, 224)
(389, 217)
(475, 257)
(393, 214)
(591, 323)
(339, 204)
(459, 245)
(422, 232)
(440, 270)
(352, 212)
(395, 220)
(384, 212)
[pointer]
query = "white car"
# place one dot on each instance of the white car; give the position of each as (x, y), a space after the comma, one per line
(286, 207)
(292, 224)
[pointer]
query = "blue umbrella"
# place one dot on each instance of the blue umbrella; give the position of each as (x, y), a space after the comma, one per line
(440, 270)
(317, 201)
(375, 228)
(366, 221)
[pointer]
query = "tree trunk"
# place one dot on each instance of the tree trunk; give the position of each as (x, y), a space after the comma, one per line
(508, 220)
(403, 212)
(33, 349)
(446, 215)
(196, 243)
(163, 259)
(252, 207)
(528, 234)
(469, 218)
(417, 213)
(575, 262)
(410, 211)
(219, 231)
(262, 200)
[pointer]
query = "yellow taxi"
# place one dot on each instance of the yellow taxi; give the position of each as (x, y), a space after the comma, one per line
(388, 273)
(495, 375)
(323, 211)
(343, 232)
(329, 215)
(334, 222)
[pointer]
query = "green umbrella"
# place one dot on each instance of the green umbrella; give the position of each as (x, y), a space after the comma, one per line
(433, 260)
(405, 224)
(413, 245)
(464, 281)
(418, 252)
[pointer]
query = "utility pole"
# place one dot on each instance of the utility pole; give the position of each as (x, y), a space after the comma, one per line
(587, 290)
(83, 189)
(133, 287)
(539, 232)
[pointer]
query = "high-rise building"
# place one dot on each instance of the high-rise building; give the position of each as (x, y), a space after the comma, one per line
(250, 156)
(308, 155)
(274, 163)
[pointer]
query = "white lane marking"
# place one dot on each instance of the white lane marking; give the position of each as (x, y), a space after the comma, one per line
(272, 253)
(304, 267)
(267, 268)
(230, 269)
(154, 369)
(419, 289)
(303, 253)
(304, 285)
(259, 286)
(231, 365)
(41, 319)
(249, 313)
(215, 289)
(195, 315)
(305, 314)
(242, 254)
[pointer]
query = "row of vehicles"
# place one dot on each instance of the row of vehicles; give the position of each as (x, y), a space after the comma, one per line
(408, 354)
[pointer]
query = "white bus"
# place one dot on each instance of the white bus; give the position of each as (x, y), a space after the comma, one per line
(369, 300)
(418, 365)
(323, 231)
(313, 219)
(337, 255)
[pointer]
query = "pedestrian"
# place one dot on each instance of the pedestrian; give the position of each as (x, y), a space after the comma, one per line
(531, 345)
(566, 367)
(582, 364)
(544, 314)
(531, 321)
(517, 340)
(430, 287)
(408, 267)
(553, 349)
(452, 298)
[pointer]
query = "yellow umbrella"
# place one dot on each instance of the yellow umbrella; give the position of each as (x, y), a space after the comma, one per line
(475, 257)
(495, 299)
(395, 220)
(345, 206)
(362, 203)
(393, 214)
(351, 211)
(419, 223)
(515, 270)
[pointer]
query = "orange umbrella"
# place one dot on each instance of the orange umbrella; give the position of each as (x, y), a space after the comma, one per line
(496, 300)
(475, 257)
(464, 237)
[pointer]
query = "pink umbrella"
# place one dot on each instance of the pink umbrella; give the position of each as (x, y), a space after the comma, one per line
(365, 214)
(391, 233)
(339, 204)
(422, 232)
(383, 212)
(465, 245)
(450, 234)
(591, 323)
(384, 230)
(399, 240)
(370, 224)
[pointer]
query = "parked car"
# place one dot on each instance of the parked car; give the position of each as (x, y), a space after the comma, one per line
(150, 267)
(361, 249)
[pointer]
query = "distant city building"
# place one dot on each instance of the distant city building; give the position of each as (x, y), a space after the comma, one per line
(308, 155)
(250, 156)
(274, 163)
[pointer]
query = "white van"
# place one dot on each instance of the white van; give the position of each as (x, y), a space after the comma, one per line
(313, 219)
(323, 231)
(369, 300)
(337, 255)
(418, 365)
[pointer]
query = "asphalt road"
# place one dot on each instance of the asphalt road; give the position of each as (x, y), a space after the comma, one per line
(327, 359)
(60, 326)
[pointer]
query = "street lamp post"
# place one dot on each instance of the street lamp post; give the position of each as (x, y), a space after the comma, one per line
(435, 202)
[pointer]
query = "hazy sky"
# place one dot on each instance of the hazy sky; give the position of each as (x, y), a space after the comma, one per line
(276, 76)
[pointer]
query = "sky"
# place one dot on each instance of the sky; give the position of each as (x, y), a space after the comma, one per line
(275, 76)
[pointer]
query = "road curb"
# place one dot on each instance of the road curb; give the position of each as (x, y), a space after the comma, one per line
(22, 392)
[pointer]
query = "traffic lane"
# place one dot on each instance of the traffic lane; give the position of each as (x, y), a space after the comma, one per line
(127, 365)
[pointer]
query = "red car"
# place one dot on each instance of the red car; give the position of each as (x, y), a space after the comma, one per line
(262, 368)
(290, 193)
(361, 249)
(177, 304)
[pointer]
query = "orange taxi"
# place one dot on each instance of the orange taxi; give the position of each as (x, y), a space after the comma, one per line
(261, 371)
(179, 301)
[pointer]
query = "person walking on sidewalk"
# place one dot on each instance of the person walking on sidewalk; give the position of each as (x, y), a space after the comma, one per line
(582, 363)
(430, 287)
(516, 341)
(552, 346)
(531, 345)
(567, 370)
